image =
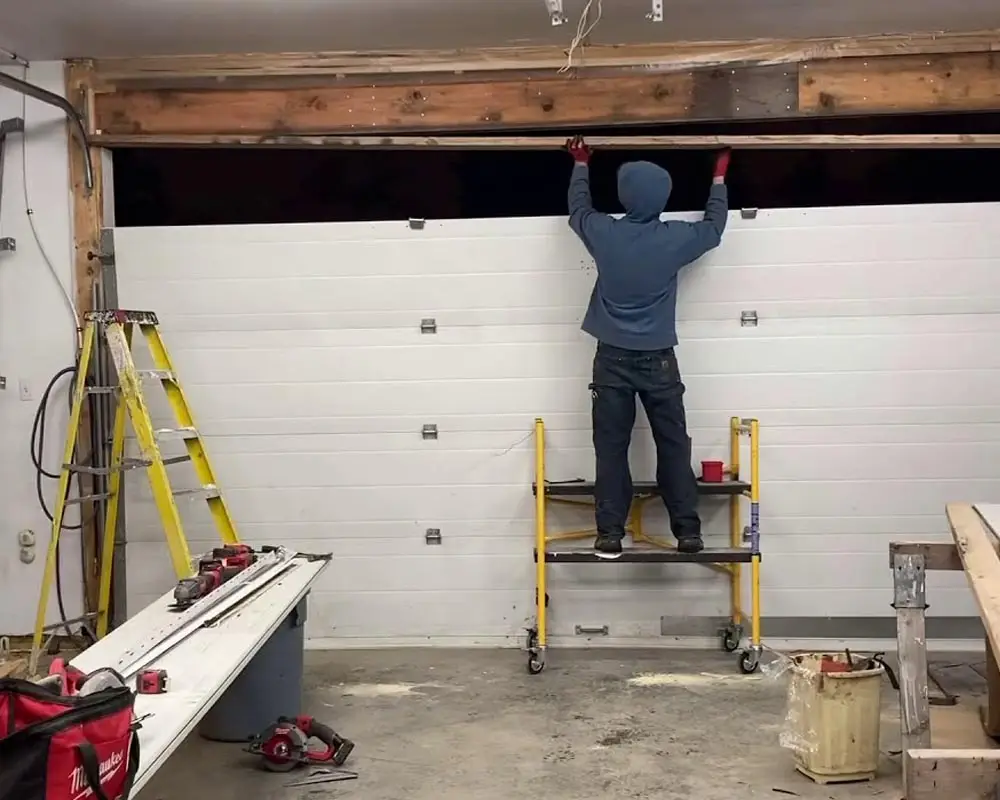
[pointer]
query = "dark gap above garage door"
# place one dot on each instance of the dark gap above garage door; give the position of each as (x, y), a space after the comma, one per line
(259, 186)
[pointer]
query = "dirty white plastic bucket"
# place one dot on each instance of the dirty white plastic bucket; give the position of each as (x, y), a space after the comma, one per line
(833, 718)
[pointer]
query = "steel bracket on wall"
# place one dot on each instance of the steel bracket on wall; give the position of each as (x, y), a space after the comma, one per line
(7, 127)
(555, 9)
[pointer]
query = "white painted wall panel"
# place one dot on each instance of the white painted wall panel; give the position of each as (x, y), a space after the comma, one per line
(37, 338)
(874, 373)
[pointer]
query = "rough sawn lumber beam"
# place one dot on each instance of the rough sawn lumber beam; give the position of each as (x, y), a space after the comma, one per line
(977, 549)
(174, 71)
(779, 142)
(951, 774)
(829, 87)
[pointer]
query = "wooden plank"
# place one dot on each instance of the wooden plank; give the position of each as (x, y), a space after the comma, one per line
(990, 710)
(87, 215)
(951, 774)
(456, 106)
(13, 668)
(173, 71)
(889, 84)
(909, 580)
(900, 84)
(936, 555)
(771, 142)
(977, 550)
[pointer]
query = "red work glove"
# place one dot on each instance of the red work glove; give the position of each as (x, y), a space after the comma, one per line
(721, 166)
(578, 149)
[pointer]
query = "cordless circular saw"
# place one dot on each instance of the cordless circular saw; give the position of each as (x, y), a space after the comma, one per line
(285, 744)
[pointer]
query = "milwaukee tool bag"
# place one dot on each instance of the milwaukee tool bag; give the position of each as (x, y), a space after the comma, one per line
(58, 747)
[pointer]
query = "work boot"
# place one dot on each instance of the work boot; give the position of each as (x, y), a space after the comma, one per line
(607, 546)
(690, 544)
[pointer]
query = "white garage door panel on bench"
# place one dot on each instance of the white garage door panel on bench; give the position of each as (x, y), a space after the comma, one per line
(873, 370)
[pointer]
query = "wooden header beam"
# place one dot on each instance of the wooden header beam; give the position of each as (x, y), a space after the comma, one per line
(829, 87)
(176, 71)
(788, 142)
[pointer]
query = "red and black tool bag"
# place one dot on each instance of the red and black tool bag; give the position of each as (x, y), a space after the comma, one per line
(57, 747)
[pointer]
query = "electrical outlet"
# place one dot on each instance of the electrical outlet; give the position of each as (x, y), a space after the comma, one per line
(25, 390)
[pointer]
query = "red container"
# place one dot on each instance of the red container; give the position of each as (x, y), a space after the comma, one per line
(711, 471)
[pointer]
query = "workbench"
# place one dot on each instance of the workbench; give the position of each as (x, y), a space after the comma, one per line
(203, 665)
(939, 773)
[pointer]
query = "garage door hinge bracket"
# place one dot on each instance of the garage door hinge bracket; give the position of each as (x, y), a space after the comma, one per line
(590, 630)
(555, 9)
(429, 432)
(748, 213)
(428, 325)
(416, 224)
(432, 536)
(748, 319)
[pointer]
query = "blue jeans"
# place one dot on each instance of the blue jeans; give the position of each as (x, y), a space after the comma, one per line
(653, 375)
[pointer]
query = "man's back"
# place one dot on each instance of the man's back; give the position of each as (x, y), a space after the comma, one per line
(633, 304)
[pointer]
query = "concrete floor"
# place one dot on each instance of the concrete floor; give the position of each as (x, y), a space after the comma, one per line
(434, 724)
(437, 724)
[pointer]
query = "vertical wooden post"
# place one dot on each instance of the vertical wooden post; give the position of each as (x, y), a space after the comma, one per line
(909, 581)
(88, 208)
(990, 711)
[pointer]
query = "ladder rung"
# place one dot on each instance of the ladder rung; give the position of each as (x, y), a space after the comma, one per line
(207, 492)
(158, 374)
(177, 433)
(88, 498)
(102, 389)
(127, 463)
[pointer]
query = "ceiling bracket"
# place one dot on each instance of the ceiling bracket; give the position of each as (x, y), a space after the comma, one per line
(555, 9)
(655, 13)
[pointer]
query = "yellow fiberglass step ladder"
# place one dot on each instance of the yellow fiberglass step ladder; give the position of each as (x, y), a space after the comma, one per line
(117, 328)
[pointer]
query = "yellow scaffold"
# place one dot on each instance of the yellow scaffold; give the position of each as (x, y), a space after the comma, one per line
(744, 542)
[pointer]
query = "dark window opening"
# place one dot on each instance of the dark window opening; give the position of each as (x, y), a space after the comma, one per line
(156, 186)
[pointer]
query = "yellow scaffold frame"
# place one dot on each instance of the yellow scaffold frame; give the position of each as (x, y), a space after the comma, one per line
(744, 542)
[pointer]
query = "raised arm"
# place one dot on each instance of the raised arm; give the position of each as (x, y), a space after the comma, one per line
(583, 219)
(707, 234)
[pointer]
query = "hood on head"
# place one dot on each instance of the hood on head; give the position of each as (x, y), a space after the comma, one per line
(643, 189)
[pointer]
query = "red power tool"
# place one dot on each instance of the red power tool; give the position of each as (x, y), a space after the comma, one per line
(151, 681)
(284, 745)
(213, 571)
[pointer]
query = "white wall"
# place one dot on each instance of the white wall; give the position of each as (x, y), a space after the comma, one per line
(37, 336)
(874, 373)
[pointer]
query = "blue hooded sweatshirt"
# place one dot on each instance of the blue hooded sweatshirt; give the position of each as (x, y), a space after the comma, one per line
(634, 302)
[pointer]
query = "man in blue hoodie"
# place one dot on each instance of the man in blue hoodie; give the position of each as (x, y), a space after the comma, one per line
(632, 315)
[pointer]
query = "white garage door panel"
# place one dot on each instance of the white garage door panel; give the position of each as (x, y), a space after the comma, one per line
(873, 371)
(473, 468)
(472, 362)
(327, 397)
(833, 281)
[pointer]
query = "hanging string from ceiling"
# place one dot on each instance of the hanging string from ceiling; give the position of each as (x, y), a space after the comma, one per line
(583, 29)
